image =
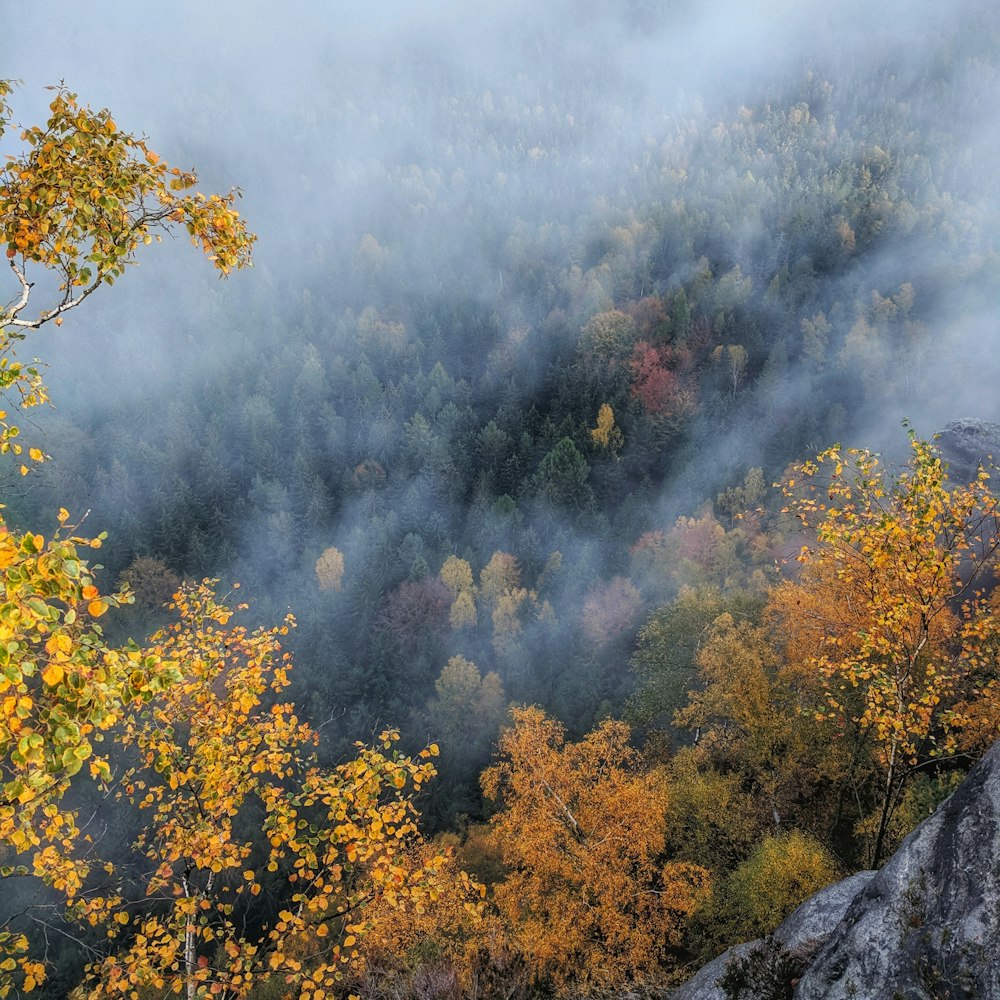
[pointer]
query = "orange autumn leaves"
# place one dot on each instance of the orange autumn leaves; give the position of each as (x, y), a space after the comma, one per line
(585, 894)
(588, 895)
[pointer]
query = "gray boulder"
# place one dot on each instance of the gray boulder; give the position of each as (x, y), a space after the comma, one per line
(812, 923)
(928, 925)
(966, 444)
(802, 933)
(704, 985)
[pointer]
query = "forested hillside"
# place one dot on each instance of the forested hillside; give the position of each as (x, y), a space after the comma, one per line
(554, 399)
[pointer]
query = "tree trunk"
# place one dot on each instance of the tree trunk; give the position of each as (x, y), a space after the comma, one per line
(890, 799)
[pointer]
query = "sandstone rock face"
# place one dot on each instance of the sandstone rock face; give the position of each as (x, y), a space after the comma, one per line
(803, 932)
(704, 985)
(928, 925)
(967, 444)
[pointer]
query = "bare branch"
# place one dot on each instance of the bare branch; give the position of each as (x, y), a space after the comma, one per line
(51, 314)
(25, 292)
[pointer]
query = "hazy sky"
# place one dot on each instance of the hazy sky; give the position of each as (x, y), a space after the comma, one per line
(302, 105)
(434, 145)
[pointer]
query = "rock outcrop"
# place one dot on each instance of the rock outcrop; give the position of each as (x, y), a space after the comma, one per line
(926, 926)
(805, 931)
(967, 444)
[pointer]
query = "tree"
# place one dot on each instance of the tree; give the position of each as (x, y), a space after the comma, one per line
(668, 643)
(662, 381)
(330, 569)
(607, 435)
(215, 748)
(886, 609)
(456, 575)
(562, 477)
(499, 576)
(466, 704)
(416, 610)
(75, 204)
(463, 611)
(610, 609)
(607, 340)
(783, 871)
(589, 897)
(748, 713)
(734, 359)
(464, 716)
(151, 582)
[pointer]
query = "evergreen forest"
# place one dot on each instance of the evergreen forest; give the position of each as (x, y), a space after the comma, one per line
(541, 569)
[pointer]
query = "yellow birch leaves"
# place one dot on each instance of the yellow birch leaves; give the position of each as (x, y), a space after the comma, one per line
(886, 610)
(886, 604)
(220, 744)
(77, 201)
(83, 195)
(61, 690)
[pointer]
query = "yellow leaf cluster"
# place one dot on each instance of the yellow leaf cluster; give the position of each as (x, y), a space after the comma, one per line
(77, 201)
(607, 434)
(220, 745)
(886, 611)
(61, 689)
(456, 575)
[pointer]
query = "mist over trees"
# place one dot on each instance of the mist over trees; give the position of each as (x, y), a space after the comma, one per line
(544, 299)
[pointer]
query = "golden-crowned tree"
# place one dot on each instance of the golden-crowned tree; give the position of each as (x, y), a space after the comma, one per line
(888, 612)
(607, 435)
(589, 897)
(748, 713)
(456, 575)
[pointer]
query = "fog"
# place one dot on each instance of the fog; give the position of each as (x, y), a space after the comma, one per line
(413, 159)
(316, 110)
